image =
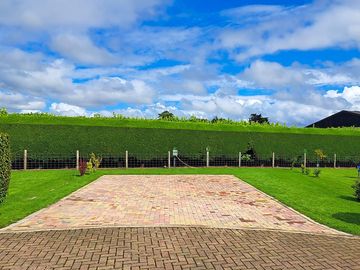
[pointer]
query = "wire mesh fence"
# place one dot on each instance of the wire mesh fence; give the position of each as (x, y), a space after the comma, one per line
(28, 160)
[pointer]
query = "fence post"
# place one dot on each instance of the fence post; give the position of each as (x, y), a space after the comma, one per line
(305, 159)
(169, 160)
(77, 159)
(334, 160)
(25, 159)
(273, 159)
(126, 159)
(239, 159)
(207, 159)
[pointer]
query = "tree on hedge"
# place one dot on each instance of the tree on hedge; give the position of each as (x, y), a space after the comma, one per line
(258, 118)
(166, 115)
(5, 165)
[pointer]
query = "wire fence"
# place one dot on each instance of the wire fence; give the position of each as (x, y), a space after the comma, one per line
(28, 160)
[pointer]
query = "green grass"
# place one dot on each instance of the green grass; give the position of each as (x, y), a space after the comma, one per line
(327, 199)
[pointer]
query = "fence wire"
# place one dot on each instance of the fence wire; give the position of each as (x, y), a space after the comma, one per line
(30, 160)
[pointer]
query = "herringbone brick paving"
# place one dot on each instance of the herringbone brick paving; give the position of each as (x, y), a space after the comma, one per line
(176, 248)
(172, 200)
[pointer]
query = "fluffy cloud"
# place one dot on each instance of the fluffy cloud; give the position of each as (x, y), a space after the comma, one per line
(83, 14)
(302, 28)
(67, 109)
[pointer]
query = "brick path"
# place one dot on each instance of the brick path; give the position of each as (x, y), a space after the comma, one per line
(220, 201)
(176, 248)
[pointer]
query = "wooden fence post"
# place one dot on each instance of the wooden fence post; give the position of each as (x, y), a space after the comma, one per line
(239, 159)
(25, 159)
(126, 159)
(77, 159)
(207, 159)
(305, 159)
(273, 160)
(169, 159)
(334, 160)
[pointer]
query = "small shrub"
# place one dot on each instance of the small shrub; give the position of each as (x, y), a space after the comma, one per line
(3, 112)
(245, 157)
(82, 167)
(5, 165)
(317, 172)
(95, 161)
(307, 171)
(356, 188)
(303, 168)
(89, 167)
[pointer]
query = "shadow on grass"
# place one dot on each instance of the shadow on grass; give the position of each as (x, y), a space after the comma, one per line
(348, 198)
(353, 218)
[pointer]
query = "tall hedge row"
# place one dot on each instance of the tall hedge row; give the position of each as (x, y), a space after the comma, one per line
(66, 139)
(5, 165)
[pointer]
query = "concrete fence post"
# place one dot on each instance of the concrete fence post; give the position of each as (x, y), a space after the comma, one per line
(334, 160)
(25, 159)
(126, 159)
(169, 159)
(239, 159)
(207, 159)
(273, 160)
(77, 159)
(305, 159)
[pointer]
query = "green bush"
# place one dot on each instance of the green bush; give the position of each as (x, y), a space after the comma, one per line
(356, 187)
(5, 165)
(317, 172)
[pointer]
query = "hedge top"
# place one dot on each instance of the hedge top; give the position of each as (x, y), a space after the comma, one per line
(183, 124)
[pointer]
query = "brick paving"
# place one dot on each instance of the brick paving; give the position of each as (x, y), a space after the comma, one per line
(219, 201)
(176, 248)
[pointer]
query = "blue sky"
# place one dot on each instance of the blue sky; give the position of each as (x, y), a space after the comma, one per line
(293, 63)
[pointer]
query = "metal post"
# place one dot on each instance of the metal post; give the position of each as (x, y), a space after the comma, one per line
(126, 159)
(25, 159)
(77, 159)
(169, 159)
(273, 160)
(305, 159)
(334, 160)
(207, 159)
(239, 159)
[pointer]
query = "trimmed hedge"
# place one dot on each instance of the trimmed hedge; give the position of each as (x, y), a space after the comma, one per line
(66, 139)
(5, 165)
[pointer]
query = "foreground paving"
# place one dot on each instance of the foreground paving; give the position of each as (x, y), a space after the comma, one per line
(176, 248)
(218, 201)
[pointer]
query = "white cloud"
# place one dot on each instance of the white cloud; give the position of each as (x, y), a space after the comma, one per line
(67, 109)
(75, 14)
(81, 49)
(18, 102)
(323, 24)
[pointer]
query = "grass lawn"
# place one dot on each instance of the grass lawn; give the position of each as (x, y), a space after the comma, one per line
(327, 199)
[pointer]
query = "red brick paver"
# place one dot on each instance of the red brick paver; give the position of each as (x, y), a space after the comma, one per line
(176, 248)
(220, 201)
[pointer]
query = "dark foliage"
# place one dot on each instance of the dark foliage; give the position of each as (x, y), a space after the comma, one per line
(258, 118)
(82, 167)
(5, 165)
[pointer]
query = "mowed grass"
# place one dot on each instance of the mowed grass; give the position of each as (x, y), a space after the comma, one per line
(327, 199)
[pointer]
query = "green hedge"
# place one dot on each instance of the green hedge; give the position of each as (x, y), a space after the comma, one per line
(66, 139)
(5, 165)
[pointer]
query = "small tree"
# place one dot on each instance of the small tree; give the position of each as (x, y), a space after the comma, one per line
(166, 115)
(258, 118)
(320, 156)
